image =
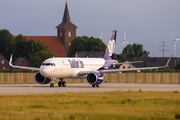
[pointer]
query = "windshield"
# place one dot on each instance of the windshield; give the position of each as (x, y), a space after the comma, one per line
(48, 64)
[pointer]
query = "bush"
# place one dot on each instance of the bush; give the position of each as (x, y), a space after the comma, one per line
(177, 116)
(176, 92)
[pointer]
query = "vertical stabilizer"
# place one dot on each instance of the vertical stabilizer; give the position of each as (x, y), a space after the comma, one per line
(110, 50)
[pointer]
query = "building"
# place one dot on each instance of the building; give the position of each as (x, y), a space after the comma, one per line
(154, 61)
(66, 33)
(66, 30)
(4, 64)
(20, 62)
(126, 66)
(54, 44)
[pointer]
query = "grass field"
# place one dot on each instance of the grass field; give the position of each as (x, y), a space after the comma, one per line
(118, 105)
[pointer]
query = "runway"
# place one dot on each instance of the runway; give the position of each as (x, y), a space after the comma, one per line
(13, 89)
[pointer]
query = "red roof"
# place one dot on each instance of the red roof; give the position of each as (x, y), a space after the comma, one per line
(54, 44)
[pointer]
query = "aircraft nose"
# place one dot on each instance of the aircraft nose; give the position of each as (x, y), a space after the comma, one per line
(43, 71)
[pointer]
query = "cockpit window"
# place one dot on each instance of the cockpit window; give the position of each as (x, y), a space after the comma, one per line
(48, 64)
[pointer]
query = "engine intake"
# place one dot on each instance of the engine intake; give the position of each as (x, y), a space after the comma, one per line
(94, 78)
(41, 79)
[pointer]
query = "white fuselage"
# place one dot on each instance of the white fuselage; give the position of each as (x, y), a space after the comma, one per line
(69, 67)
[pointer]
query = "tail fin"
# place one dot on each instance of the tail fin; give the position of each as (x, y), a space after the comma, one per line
(110, 50)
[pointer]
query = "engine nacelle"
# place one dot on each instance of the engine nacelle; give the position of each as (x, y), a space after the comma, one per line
(41, 79)
(94, 78)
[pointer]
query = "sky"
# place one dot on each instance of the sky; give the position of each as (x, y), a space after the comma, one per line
(146, 22)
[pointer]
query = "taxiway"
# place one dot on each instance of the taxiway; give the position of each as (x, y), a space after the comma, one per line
(11, 89)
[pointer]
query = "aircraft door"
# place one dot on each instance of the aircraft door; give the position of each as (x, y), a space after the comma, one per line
(61, 72)
(61, 66)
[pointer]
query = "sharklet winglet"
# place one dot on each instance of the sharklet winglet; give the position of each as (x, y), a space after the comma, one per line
(10, 61)
(167, 64)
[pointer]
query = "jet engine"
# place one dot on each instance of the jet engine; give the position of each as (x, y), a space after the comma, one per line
(94, 78)
(41, 79)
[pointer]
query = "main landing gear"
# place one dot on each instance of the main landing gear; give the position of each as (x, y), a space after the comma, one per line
(95, 85)
(62, 83)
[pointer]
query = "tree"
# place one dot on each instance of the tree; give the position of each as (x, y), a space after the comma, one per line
(33, 46)
(38, 58)
(6, 43)
(25, 48)
(21, 47)
(86, 44)
(135, 50)
(20, 44)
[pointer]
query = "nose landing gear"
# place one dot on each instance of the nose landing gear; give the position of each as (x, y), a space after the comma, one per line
(52, 84)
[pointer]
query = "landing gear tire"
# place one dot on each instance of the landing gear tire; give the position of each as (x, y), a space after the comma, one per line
(64, 83)
(59, 83)
(52, 85)
(97, 85)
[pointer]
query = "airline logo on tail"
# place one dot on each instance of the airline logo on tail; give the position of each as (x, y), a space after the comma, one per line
(111, 44)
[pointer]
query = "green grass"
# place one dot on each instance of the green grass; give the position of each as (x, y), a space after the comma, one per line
(118, 105)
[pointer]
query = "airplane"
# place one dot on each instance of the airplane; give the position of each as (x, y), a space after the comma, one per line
(93, 69)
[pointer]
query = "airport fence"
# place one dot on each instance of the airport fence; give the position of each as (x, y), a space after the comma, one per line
(170, 78)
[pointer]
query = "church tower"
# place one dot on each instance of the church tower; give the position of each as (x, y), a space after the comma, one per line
(66, 30)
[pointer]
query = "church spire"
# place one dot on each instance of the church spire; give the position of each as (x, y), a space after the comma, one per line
(66, 30)
(66, 17)
(66, 21)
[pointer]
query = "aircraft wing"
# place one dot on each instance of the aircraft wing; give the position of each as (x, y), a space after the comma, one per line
(120, 70)
(123, 70)
(22, 67)
(130, 69)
